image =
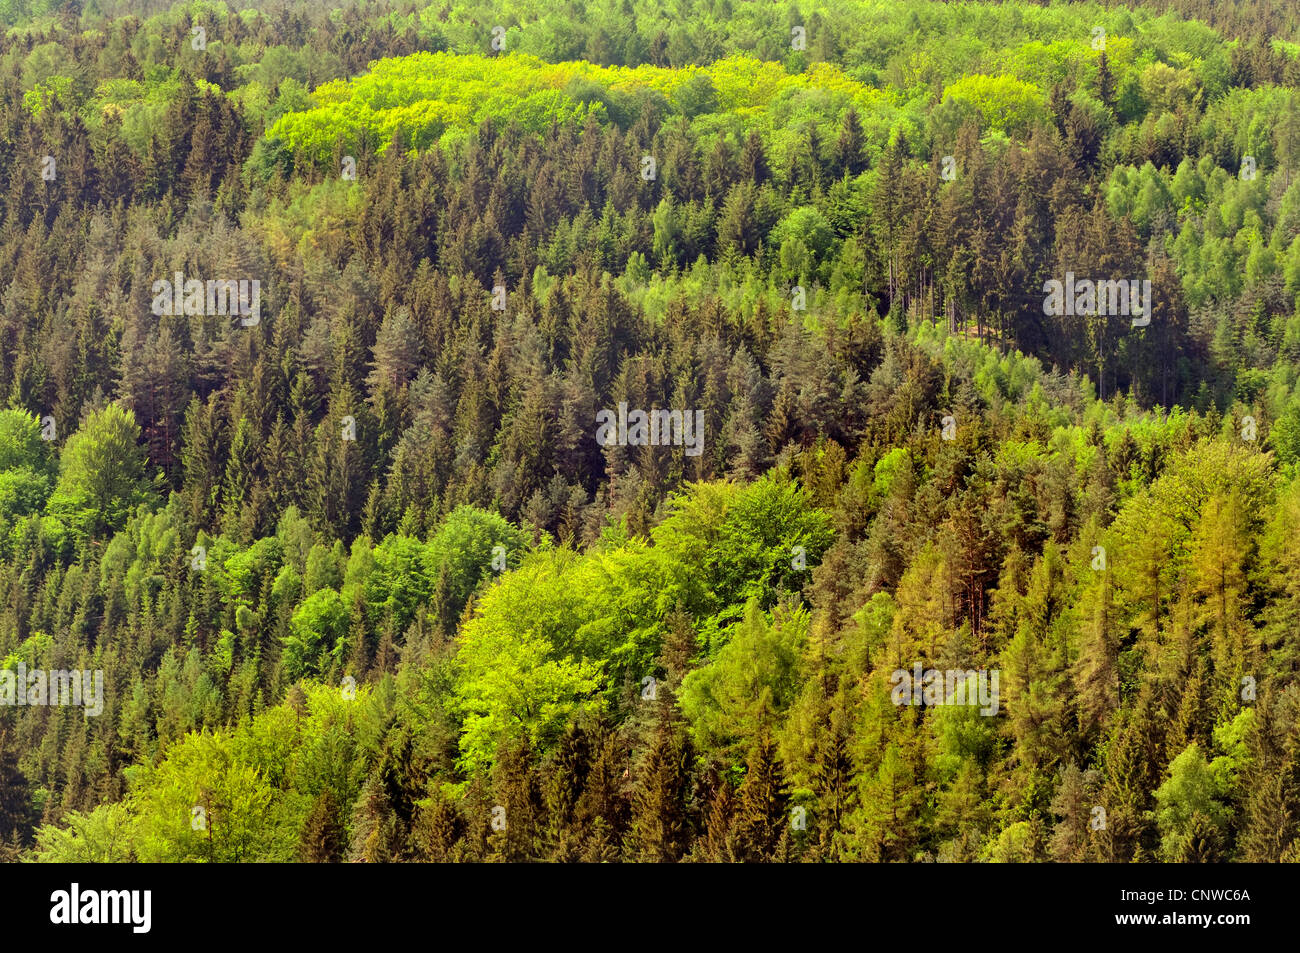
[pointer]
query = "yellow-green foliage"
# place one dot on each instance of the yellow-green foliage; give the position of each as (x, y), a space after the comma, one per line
(1006, 103)
(427, 94)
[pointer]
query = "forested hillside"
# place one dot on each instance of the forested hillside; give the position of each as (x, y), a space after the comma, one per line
(323, 333)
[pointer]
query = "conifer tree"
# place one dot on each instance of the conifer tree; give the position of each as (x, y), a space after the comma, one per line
(16, 816)
(563, 788)
(439, 828)
(661, 827)
(833, 785)
(761, 805)
(323, 836)
(714, 847)
(518, 814)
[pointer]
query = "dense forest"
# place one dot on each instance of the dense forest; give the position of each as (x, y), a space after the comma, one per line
(309, 317)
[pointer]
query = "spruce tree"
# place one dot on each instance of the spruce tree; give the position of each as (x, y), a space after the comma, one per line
(439, 828)
(714, 846)
(323, 836)
(761, 805)
(660, 822)
(565, 779)
(833, 785)
(518, 812)
(16, 814)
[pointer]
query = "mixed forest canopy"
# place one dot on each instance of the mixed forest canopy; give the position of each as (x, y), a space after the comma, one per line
(362, 580)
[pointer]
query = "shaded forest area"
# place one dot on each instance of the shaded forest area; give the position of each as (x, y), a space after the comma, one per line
(365, 586)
